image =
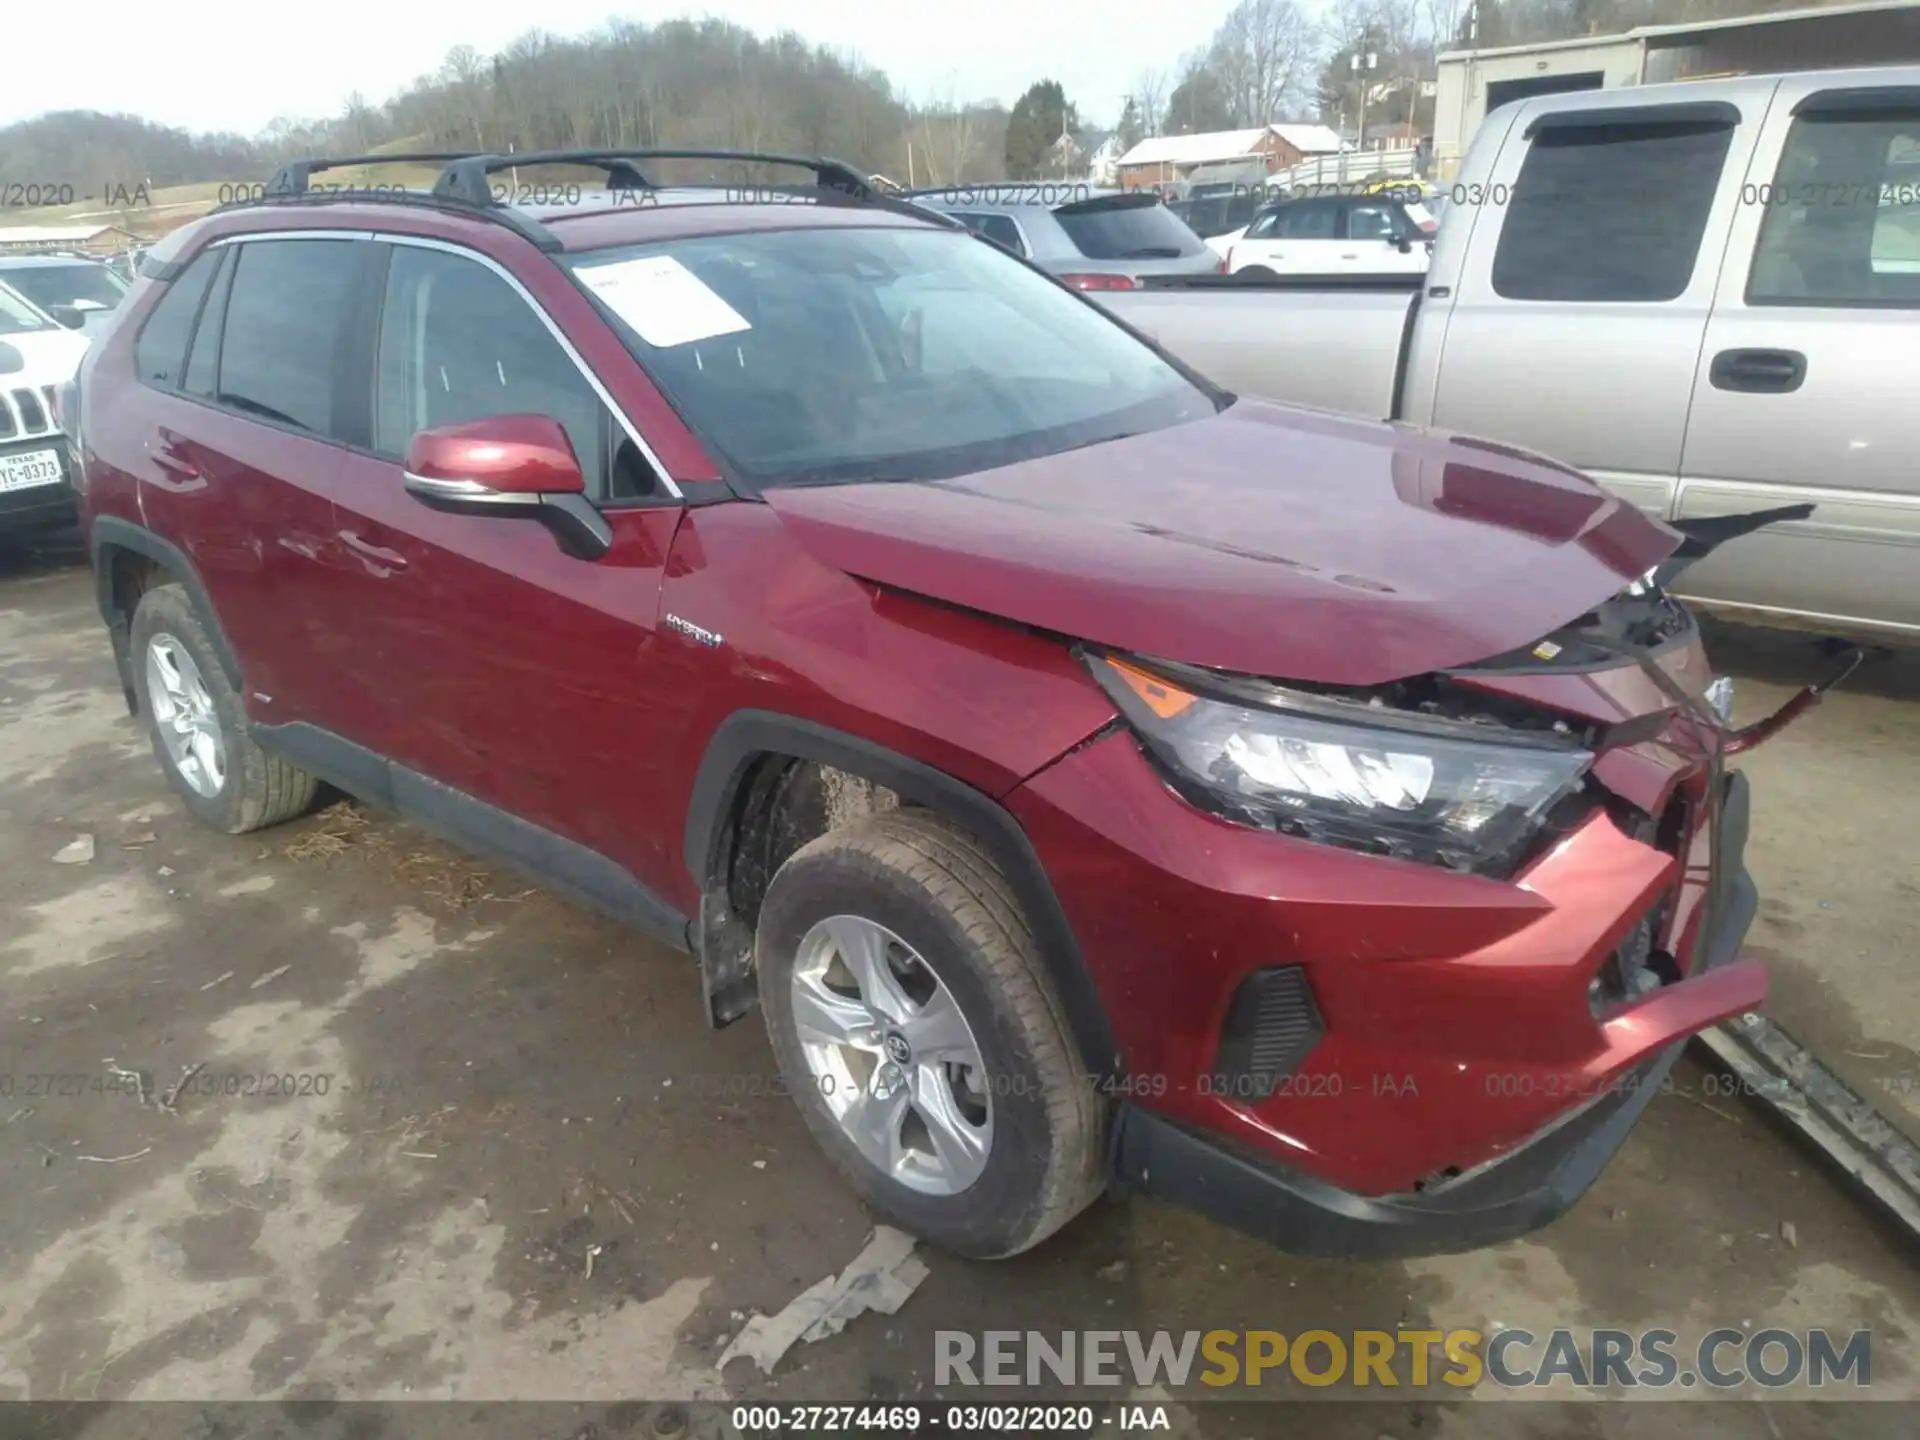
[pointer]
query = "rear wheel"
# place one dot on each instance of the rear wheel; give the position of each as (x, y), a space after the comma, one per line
(1258, 272)
(918, 1032)
(199, 731)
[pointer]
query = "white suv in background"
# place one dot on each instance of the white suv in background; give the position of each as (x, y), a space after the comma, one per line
(37, 357)
(76, 291)
(1334, 235)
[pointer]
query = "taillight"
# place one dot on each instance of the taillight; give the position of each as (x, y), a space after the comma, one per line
(1101, 282)
(1221, 268)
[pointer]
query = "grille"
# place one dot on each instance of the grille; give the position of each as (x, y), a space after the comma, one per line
(1271, 1026)
(26, 413)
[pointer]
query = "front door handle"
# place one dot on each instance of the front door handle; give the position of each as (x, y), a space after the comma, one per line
(1758, 372)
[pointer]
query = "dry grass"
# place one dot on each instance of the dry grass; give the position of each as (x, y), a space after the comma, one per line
(444, 876)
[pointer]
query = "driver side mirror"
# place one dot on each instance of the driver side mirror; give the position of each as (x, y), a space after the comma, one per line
(509, 467)
(71, 316)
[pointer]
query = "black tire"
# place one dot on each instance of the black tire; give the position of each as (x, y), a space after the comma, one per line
(258, 789)
(937, 889)
(1258, 272)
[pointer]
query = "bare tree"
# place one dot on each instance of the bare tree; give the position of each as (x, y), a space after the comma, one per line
(1150, 93)
(1262, 55)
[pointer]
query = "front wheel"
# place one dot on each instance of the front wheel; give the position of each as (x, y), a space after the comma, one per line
(920, 1036)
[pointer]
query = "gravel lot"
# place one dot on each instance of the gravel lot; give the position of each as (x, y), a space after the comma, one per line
(509, 1083)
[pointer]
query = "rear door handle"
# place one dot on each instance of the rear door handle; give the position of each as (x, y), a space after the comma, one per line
(1758, 372)
(181, 473)
(377, 558)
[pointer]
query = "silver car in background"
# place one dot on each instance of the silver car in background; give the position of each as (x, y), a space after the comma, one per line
(1086, 237)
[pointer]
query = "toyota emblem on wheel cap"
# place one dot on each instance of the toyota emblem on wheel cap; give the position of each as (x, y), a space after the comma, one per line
(897, 1048)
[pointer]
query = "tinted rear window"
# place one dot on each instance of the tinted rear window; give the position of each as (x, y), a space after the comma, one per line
(1609, 212)
(289, 305)
(1127, 229)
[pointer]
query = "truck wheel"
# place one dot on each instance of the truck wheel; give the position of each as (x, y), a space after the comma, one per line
(918, 1032)
(199, 731)
(1259, 272)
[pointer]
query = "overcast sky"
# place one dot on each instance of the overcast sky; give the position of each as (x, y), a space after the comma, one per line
(237, 64)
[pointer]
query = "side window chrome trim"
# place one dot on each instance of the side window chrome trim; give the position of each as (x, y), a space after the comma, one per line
(421, 242)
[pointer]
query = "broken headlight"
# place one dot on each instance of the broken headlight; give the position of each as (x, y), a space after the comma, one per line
(1464, 794)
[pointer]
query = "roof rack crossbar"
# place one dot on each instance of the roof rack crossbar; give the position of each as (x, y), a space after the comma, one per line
(292, 178)
(520, 223)
(465, 178)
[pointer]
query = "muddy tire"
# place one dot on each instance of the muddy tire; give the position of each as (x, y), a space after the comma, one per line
(1001, 1138)
(199, 731)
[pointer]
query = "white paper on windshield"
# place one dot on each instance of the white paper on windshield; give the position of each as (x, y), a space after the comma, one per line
(663, 300)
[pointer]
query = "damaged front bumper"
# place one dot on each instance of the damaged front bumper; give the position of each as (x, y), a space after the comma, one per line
(1510, 1195)
(1457, 1056)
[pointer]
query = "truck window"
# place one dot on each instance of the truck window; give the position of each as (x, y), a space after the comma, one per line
(1609, 212)
(1842, 219)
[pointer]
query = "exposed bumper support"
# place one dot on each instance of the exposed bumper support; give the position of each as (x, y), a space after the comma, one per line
(1796, 1087)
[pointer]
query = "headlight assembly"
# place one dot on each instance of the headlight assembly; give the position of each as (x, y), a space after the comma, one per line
(1461, 794)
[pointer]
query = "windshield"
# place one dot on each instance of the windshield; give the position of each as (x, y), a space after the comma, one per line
(84, 285)
(17, 317)
(853, 354)
(1127, 227)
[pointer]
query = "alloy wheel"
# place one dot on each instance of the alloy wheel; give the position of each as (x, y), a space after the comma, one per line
(184, 716)
(894, 1059)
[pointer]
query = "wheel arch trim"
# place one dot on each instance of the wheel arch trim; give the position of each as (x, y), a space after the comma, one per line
(110, 532)
(747, 736)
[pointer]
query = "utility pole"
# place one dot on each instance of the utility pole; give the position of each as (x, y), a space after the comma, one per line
(1364, 65)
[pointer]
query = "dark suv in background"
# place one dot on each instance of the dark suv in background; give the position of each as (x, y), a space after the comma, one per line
(1092, 776)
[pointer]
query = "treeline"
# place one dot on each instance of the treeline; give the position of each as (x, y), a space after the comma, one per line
(711, 83)
(695, 83)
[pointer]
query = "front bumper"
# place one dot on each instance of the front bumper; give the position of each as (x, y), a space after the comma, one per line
(1511, 1195)
(1461, 1089)
(38, 505)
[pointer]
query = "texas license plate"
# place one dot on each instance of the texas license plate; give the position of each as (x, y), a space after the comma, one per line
(36, 467)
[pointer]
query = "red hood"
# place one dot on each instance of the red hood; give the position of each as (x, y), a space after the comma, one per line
(1266, 539)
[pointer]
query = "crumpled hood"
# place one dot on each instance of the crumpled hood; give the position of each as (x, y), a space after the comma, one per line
(1268, 539)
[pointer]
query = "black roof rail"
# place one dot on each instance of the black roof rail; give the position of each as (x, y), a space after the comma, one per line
(291, 178)
(465, 178)
(521, 224)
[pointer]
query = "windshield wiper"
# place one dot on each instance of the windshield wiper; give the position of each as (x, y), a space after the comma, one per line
(1152, 252)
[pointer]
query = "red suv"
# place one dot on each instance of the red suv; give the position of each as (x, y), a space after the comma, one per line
(1097, 778)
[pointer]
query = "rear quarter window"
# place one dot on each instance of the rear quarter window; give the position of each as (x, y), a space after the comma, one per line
(160, 350)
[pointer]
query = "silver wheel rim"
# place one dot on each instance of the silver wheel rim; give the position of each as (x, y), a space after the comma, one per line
(893, 1058)
(184, 717)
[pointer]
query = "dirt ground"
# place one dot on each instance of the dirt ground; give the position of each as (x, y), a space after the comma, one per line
(490, 1088)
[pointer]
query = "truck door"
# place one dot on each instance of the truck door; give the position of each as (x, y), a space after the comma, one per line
(1582, 299)
(1804, 390)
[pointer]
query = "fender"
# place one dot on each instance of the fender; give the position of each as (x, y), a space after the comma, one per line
(747, 735)
(111, 530)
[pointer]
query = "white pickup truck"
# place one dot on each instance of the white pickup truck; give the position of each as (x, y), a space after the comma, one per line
(1706, 296)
